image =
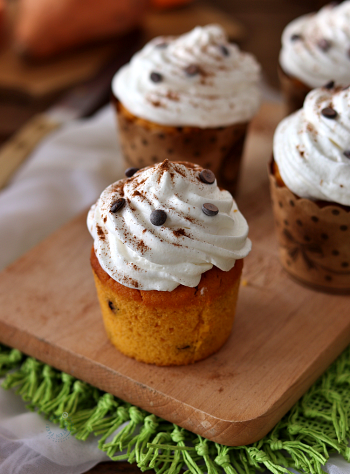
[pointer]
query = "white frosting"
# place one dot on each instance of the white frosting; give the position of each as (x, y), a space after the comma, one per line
(140, 255)
(304, 59)
(309, 148)
(224, 91)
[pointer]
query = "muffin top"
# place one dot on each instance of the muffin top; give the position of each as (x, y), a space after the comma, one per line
(316, 47)
(165, 226)
(312, 146)
(198, 79)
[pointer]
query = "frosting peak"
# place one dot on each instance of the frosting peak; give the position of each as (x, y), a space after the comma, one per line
(315, 47)
(197, 79)
(312, 147)
(146, 256)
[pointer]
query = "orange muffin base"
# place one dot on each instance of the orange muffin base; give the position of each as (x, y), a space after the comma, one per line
(165, 328)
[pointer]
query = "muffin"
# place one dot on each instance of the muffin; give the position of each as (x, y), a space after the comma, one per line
(188, 98)
(315, 51)
(310, 187)
(167, 261)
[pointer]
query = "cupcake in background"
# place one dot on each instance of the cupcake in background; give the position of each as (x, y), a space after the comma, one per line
(315, 50)
(310, 187)
(167, 259)
(188, 98)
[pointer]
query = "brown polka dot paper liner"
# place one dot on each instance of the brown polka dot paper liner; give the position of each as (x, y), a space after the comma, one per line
(314, 241)
(218, 149)
(294, 91)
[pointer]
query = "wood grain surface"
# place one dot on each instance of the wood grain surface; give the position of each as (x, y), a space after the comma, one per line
(283, 338)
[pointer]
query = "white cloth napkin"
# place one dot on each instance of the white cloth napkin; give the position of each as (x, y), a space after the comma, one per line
(63, 176)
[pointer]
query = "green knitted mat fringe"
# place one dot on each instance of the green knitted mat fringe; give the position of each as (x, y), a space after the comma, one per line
(315, 427)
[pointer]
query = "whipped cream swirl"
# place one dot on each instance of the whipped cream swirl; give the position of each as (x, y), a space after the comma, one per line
(140, 255)
(312, 151)
(205, 81)
(315, 47)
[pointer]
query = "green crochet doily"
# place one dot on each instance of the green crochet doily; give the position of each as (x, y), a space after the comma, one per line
(315, 427)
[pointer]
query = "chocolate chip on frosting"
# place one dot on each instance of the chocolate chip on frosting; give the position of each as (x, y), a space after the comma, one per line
(329, 113)
(192, 70)
(324, 44)
(130, 172)
(329, 85)
(296, 37)
(162, 45)
(347, 153)
(117, 205)
(210, 209)
(156, 77)
(158, 217)
(207, 176)
(224, 50)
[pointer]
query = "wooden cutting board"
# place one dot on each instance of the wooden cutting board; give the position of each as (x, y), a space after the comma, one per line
(283, 338)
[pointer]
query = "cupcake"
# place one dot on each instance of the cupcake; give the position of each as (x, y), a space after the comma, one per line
(188, 98)
(315, 51)
(167, 259)
(310, 187)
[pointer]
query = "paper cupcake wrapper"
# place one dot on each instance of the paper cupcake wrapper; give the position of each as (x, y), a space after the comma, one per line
(314, 241)
(217, 149)
(293, 90)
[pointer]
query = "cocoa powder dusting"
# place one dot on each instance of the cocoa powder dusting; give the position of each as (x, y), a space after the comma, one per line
(180, 233)
(118, 187)
(100, 232)
(173, 96)
(311, 128)
(179, 171)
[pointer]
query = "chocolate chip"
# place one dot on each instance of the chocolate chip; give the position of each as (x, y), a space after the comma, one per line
(158, 217)
(329, 113)
(224, 50)
(162, 45)
(324, 44)
(191, 70)
(117, 205)
(347, 153)
(130, 172)
(111, 305)
(156, 77)
(210, 209)
(296, 37)
(329, 85)
(207, 176)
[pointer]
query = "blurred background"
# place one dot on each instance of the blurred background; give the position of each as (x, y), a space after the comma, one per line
(47, 47)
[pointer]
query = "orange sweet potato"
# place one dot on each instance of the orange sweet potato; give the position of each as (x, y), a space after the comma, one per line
(48, 27)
